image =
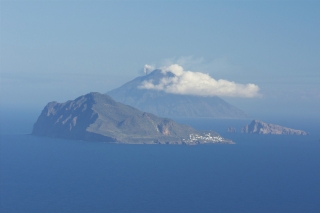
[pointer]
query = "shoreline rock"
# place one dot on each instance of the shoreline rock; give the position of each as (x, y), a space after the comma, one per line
(231, 130)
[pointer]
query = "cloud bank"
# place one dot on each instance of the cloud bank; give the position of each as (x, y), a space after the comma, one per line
(200, 84)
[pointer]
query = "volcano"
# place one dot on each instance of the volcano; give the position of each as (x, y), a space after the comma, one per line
(172, 105)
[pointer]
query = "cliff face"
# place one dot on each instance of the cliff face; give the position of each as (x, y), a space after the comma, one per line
(259, 127)
(172, 105)
(68, 120)
(98, 117)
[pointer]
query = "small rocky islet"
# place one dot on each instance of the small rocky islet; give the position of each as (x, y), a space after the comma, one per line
(259, 127)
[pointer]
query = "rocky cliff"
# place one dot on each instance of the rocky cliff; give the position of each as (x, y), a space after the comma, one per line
(259, 127)
(97, 117)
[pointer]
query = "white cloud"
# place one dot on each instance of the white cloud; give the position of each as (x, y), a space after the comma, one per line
(200, 84)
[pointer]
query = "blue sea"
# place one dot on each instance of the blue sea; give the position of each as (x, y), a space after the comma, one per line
(260, 173)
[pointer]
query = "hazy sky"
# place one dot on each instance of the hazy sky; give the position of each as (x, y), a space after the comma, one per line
(59, 50)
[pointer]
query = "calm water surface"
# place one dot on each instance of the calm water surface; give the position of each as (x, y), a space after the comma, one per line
(258, 174)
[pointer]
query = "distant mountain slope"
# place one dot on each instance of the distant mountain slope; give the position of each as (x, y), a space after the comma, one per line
(97, 117)
(172, 105)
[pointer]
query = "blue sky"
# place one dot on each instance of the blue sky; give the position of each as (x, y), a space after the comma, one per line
(59, 50)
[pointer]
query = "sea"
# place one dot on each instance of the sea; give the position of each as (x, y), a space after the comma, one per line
(259, 174)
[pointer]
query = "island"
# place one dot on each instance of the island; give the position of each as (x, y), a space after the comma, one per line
(97, 117)
(259, 127)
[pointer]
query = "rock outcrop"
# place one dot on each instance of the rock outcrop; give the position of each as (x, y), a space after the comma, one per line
(231, 129)
(259, 127)
(97, 117)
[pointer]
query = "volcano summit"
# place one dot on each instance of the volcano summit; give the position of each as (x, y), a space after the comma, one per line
(135, 93)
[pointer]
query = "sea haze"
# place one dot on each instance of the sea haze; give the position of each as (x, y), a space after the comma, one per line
(261, 173)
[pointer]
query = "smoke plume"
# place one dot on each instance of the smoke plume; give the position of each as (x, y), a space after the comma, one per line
(147, 69)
